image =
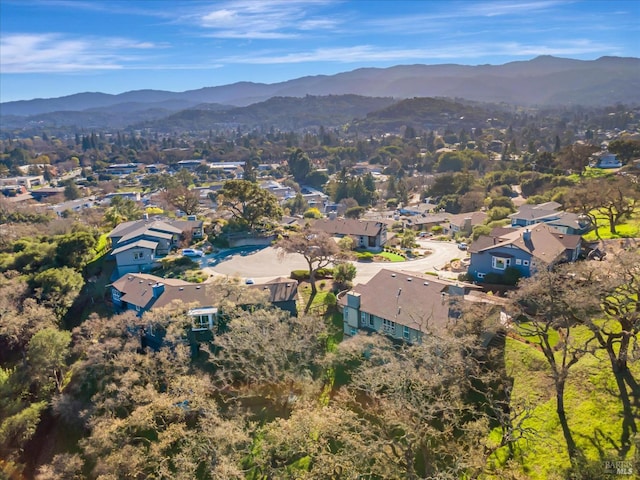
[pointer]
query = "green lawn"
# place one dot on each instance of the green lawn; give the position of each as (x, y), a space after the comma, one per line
(630, 228)
(392, 257)
(590, 172)
(593, 410)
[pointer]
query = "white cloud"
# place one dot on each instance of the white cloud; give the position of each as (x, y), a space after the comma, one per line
(372, 53)
(494, 9)
(262, 19)
(56, 53)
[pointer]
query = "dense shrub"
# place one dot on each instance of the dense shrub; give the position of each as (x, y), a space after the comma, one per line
(304, 274)
(365, 256)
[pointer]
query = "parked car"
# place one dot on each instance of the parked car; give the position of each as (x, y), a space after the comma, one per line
(249, 281)
(192, 252)
(462, 246)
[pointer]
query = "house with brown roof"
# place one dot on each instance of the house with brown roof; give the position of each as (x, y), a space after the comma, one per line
(521, 251)
(368, 234)
(142, 292)
(403, 305)
(463, 223)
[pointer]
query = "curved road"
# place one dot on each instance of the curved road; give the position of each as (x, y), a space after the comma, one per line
(265, 264)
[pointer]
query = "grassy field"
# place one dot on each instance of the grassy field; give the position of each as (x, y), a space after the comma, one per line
(590, 172)
(630, 228)
(593, 409)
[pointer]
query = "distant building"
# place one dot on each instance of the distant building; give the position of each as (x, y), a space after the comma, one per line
(189, 164)
(73, 205)
(607, 160)
(28, 182)
(124, 168)
(135, 196)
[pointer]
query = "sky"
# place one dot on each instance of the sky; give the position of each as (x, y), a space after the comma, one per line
(52, 48)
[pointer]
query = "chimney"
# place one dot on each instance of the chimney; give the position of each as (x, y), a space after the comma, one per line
(158, 290)
(526, 235)
(353, 300)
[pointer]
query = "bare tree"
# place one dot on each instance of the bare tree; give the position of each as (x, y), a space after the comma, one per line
(316, 246)
(270, 354)
(549, 310)
(614, 198)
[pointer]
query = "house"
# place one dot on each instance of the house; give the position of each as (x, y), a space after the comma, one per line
(404, 305)
(607, 160)
(73, 205)
(279, 190)
(565, 222)
(135, 196)
(190, 165)
(142, 292)
(283, 293)
(463, 223)
(367, 234)
(523, 249)
(236, 168)
(46, 192)
(28, 181)
(427, 221)
(532, 214)
(137, 245)
(124, 168)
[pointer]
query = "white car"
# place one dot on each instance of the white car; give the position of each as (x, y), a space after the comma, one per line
(192, 252)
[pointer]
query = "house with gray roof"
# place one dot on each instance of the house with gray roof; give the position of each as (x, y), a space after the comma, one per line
(403, 305)
(565, 222)
(143, 292)
(523, 249)
(137, 245)
(368, 234)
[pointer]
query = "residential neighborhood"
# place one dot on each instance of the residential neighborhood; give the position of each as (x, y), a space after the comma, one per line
(320, 278)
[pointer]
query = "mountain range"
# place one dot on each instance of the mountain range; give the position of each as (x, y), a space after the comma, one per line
(542, 81)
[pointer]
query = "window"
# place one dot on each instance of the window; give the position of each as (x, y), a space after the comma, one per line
(388, 326)
(518, 261)
(363, 318)
(138, 255)
(405, 332)
(525, 263)
(500, 263)
(200, 322)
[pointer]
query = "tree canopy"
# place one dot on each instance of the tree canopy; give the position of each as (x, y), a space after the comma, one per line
(248, 203)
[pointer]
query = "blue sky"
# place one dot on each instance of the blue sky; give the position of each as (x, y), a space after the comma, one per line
(51, 48)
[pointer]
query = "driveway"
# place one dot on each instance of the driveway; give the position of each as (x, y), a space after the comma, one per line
(265, 264)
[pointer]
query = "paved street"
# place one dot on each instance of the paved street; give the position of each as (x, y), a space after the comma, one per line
(265, 264)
